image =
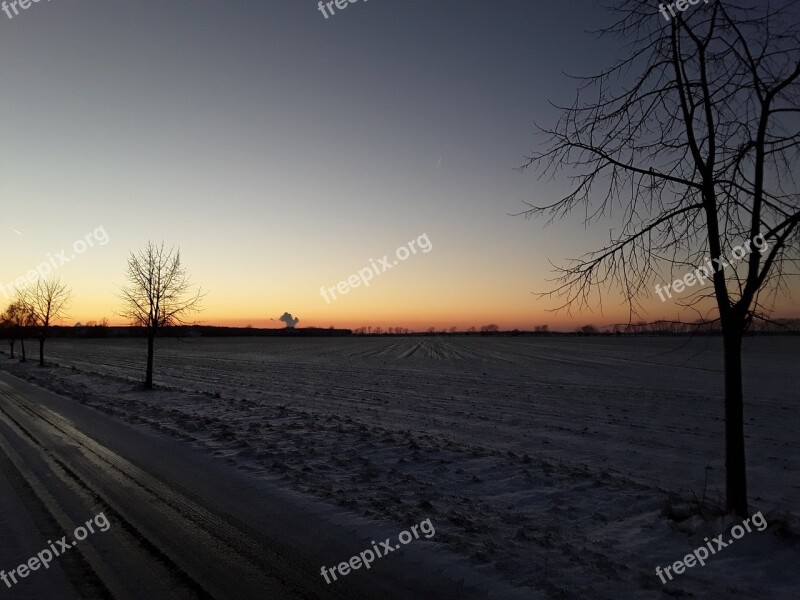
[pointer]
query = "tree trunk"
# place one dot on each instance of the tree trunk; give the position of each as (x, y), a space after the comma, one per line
(41, 352)
(735, 466)
(148, 380)
(11, 344)
(22, 343)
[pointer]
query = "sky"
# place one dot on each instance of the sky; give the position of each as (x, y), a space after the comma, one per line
(284, 152)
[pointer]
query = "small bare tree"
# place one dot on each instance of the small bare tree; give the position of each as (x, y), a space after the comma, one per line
(159, 294)
(693, 138)
(11, 322)
(47, 302)
(18, 319)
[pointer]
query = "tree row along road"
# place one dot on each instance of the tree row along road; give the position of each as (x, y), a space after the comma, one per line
(166, 541)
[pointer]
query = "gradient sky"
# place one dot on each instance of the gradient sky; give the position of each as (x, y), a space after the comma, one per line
(281, 151)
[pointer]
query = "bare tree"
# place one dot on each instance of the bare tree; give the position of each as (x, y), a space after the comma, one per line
(47, 302)
(6, 333)
(18, 319)
(694, 137)
(159, 294)
(12, 322)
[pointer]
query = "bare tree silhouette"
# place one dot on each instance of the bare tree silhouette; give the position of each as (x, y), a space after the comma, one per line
(694, 137)
(159, 294)
(14, 320)
(47, 302)
(7, 330)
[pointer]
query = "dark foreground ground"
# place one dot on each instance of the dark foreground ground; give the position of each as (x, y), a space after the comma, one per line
(564, 468)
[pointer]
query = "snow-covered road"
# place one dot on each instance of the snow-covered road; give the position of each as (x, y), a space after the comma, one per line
(183, 525)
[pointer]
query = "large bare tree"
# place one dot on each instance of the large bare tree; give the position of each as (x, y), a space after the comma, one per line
(159, 294)
(694, 138)
(47, 302)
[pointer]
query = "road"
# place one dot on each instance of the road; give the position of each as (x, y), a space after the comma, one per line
(182, 526)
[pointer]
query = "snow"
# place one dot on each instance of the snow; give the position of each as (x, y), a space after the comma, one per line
(548, 461)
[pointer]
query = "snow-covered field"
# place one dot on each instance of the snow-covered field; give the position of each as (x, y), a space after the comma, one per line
(550, 461)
